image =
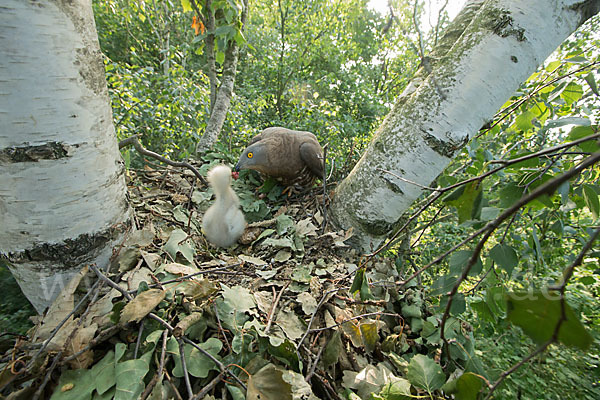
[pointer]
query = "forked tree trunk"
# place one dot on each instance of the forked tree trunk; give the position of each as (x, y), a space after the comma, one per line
(490, 48)
(62, 188)
(221, 99)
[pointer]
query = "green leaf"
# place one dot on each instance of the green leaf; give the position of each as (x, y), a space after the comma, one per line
(75, 385)
(538, 314)
(286, 353)
(104, 373)
(332, 349)
(579, 132)
(552, 66)
(185, 4)
(443, 284)
(198, 364)
(458, 305)
(590, 196)
(361, 284)
(459, 260)
(484, 312)
(398, 389)
(555, 123)
(220, 57)
(523, 121)
(178, 243)
(505, 256)
(238, 298)
(571, 93)
(466, 387)
(411, 311)
(467, 200)
(425, 373)
(592, 82)
(130, 379)
(285, 224)
(510, 194)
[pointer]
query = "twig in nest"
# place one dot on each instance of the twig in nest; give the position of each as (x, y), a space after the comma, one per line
(159, 374)
(102, 336)
(274, 307)
(313, 368)
(221, 330)
(186, 375)
(133, 140)
(312, 317)
(202, 393)
(218, 363)
(96, 291)
(61, 323)
(138, 342)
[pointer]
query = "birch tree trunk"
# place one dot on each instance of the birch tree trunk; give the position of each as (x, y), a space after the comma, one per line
(490, 48)
(62, 188)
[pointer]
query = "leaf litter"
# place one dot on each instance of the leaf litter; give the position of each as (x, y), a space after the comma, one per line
(283, 314)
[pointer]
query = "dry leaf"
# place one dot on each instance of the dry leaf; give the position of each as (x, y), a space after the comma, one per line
(179, 269)
(252, 260)
(141, 306)
(81, 339)
(62, 306)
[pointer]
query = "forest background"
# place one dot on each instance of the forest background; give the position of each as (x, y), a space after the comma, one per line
(335, 68)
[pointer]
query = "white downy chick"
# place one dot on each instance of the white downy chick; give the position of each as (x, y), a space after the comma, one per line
(223, 222)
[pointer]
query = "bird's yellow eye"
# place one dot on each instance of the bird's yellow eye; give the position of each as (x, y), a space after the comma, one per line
(250, 155)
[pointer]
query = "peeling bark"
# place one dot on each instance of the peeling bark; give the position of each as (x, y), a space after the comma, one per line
(62, 187)
(488, 50)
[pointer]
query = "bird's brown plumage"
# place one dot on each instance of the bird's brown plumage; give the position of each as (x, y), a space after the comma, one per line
(291, 156)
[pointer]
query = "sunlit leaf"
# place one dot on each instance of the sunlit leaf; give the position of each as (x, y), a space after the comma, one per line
(185, 4)
(592, 82)
(571, 93)
(523, 121)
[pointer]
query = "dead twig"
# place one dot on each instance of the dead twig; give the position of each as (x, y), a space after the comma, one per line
(134, 140)
(274, 307)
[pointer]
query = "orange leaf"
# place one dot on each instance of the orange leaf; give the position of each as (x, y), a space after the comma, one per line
(198, 25)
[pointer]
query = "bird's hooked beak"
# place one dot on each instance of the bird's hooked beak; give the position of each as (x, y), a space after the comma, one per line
(237, 167)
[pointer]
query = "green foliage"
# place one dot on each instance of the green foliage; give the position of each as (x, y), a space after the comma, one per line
(530, 252)
(15, 309)
(538, 314)
(165, 110)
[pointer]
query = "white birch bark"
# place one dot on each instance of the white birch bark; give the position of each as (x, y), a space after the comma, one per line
(490, 48)
(62, 187)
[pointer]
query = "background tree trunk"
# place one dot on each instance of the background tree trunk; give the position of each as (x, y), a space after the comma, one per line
(62, 189)
(222, 98)
(490, 48)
